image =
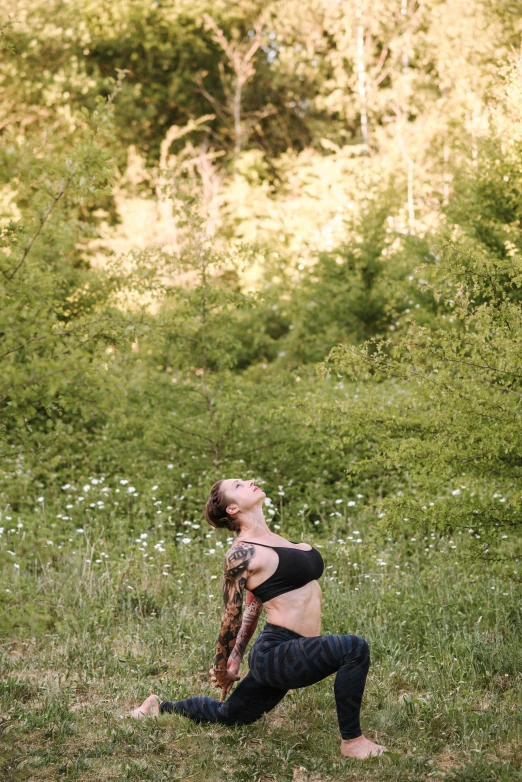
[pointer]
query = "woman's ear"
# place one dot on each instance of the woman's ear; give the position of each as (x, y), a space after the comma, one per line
(232, 509)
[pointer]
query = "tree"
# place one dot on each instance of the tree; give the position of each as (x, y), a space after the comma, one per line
(55, 318)
(447, 419)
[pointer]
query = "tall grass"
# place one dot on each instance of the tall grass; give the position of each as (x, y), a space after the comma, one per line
(94, 620)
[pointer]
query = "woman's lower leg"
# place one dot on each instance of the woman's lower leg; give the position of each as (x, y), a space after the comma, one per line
(247, 703)
(349, 684)
(200, 708)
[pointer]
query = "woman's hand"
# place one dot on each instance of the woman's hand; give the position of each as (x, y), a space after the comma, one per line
(224, 678)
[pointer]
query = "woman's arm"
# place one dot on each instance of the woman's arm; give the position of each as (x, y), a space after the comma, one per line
(237, 561)
(251, 614)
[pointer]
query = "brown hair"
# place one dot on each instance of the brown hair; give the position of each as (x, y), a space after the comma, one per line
(216, 510)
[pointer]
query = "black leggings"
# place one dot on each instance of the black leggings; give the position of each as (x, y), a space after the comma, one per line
(281, 660)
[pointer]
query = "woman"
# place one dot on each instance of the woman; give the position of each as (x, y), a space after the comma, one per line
(280, 576)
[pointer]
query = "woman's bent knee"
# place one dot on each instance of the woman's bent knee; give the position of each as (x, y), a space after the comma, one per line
(363, 649)
(357, 650)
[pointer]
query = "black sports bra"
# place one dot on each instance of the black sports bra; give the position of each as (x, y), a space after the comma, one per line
(295, 569)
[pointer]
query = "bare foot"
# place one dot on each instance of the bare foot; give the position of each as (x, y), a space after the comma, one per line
(360, 748)
(149, 708)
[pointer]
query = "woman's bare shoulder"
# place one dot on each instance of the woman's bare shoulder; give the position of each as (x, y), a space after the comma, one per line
(239, 556)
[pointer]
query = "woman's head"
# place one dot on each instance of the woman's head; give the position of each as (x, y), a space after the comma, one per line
(229, 499)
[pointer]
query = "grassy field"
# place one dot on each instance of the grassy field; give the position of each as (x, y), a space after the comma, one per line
(96, 617)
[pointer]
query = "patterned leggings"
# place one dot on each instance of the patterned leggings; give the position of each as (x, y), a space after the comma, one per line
(281, 660)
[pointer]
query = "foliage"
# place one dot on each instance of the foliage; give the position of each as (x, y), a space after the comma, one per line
(366, 281)
(55, 318)
(269, 184)
(195, 347)
(451, 422)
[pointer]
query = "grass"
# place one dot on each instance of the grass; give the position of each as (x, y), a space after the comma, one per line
(86, 637)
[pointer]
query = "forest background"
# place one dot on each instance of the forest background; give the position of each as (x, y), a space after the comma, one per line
(279, 241)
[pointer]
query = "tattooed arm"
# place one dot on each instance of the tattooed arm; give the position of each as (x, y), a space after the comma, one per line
(250, 619)
(237, 561)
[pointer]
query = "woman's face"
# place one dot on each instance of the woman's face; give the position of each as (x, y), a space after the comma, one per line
(242, 495)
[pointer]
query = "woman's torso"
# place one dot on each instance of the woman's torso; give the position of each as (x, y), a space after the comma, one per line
(299, 609)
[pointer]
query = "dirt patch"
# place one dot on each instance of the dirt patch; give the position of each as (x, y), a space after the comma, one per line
(446, 761)
(300, 774)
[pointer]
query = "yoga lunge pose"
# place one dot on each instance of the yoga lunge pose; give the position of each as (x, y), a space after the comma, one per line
(290, 652)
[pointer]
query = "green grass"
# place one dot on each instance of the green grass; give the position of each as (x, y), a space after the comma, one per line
(83, 642)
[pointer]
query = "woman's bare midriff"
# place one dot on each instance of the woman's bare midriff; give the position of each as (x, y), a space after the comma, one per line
(298, 610)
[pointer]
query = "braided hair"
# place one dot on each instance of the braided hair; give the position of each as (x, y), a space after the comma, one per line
(216, 510)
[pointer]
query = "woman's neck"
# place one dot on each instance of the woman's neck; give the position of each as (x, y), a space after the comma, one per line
(256, 529)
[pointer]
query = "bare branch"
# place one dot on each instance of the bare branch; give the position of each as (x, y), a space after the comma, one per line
(64, 184)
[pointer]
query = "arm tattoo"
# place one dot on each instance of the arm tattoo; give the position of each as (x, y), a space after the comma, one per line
(237, 561)
(248, 626)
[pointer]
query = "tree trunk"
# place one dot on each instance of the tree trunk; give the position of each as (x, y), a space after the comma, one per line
(361, 76)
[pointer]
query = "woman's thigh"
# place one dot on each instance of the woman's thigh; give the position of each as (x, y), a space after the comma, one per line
(302, 661)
